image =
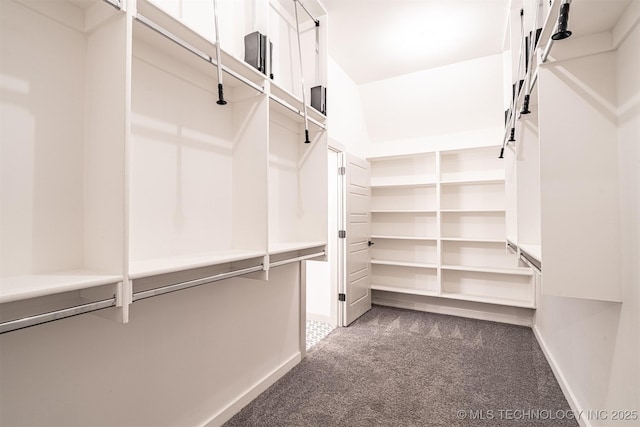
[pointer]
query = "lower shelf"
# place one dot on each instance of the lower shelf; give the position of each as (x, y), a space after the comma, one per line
(37, 285)
(404, 290)
(489, 300)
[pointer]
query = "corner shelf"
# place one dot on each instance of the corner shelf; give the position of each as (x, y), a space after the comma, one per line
(462, 205)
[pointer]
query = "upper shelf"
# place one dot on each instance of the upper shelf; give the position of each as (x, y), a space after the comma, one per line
(294, 104)
(37, 285)
(154, 19)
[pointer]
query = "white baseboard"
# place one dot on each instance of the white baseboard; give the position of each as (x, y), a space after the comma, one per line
(254, 391)
(562, 381)
(456, 311)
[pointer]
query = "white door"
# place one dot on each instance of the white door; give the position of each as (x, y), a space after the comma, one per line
(355, 296)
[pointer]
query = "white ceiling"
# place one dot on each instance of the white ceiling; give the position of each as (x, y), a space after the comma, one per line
(377, 39)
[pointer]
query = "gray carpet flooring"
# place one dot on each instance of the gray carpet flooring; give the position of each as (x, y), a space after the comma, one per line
(395, 367)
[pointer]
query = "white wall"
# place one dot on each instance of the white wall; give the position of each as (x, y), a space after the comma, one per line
(183, 358)
(595, 345)
(345, 114)
(453, 99)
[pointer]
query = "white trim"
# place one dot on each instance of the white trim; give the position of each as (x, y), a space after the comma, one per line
(562, 381)
(254, 391)
(455, 311)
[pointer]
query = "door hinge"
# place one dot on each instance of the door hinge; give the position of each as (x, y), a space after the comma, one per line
(342, 170)
(342, 234)
(342, 297)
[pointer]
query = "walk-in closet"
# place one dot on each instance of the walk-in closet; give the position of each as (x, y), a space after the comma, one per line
(319, 212)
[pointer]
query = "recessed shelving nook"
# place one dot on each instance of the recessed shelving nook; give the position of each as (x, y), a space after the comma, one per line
(550, 205)
(438, 223)
(198, 192)
(63, 118)
(123, 177)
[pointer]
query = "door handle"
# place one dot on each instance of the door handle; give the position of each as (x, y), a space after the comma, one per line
(370, 243)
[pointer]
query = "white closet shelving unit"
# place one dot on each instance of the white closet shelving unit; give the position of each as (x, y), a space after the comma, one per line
(439, 228)
(562, 166)
(121, 173)
(63, 115)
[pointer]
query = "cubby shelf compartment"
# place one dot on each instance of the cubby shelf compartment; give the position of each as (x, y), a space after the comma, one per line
(193, 33)
(489, 287)
(286, 83)
(297, 183)
(472, 164)
(396, 278)
(404, 224)
(198, 192)
(62, 144)
(404, 171)
(485, 196)
(473, 225)
(413, 253)
(401, 198)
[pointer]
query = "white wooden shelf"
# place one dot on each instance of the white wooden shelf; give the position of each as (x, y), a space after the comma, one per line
(533, 250)
(379, 236)
(408, 211)
(521, 271)
(280, 248)
(385, 183)
(488, 300)
(401, 290)
(479, 210)
(466, 199)
(404, 264)
(472, 178)
(471, 239)
(156, 266)
(37, 285)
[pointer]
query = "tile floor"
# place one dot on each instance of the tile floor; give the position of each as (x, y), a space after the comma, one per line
(316, 331)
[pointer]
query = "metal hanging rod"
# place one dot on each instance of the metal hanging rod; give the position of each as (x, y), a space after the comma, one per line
(296, 111)
(315, 20)
(56, 315)
(183, 44)
(300, 258)
(192, 283)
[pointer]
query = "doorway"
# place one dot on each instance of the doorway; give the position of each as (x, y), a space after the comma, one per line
(322, 277)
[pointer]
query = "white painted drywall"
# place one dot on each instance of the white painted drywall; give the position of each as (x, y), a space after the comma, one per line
(183, 358)
(453, 99)
(595, 345)
(345, 114)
